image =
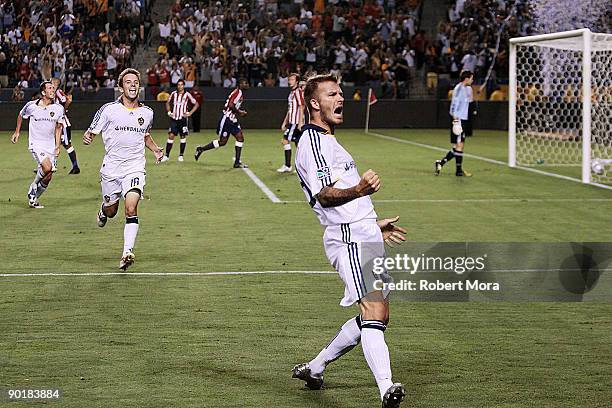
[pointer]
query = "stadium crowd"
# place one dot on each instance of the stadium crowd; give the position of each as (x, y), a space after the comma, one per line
(372, 41)
(467, 40)
(83, 42)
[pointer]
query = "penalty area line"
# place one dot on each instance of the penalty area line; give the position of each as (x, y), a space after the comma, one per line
(486, 159)
(262, 186)
(231, 273)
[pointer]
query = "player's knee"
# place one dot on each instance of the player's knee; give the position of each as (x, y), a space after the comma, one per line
(285, 142)
(223, 141)
(240, 137)
(375, 310)
(131, 210)
(459, 146)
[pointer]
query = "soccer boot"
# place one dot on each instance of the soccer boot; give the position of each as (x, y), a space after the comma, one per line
(437, 167)
(302, 372)
(240, 165)
(463, 173)
(394, 396)
(101, 218)
(198, 152)
(126, 260)
(181, 159)
(35, 204)
(284, 169)
(75, 170)
(164, 159)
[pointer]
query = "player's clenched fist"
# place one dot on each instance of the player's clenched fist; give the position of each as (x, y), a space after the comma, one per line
(87, 138)
(369, 183)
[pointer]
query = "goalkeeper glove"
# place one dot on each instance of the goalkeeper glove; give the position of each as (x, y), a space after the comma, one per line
(457, 129)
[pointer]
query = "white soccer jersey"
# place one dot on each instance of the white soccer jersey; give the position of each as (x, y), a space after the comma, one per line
(295, 102)
(236, 98)
(179, 103)
(43, 119)
(123, 132)
(321, 161)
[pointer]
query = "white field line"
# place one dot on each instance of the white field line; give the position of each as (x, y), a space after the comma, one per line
(262, 186)
(183, 274)
(486, 159)
(53, 274)
(482, 200)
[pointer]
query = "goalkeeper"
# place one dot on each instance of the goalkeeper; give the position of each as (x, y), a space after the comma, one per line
(460, 105)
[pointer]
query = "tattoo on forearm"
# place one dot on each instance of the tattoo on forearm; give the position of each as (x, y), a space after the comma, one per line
(334, 197)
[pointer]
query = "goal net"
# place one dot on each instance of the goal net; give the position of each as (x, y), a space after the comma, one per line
(560, 99)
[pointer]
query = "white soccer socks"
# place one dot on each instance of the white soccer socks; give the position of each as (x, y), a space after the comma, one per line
(129, 233)
(347, 337)
(376, 353)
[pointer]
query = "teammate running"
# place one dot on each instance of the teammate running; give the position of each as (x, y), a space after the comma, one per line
(125, 125)
(44, 133)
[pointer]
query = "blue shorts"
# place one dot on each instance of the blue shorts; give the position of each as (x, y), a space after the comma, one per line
(226, 127)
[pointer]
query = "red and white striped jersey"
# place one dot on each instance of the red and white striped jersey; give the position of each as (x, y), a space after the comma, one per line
(296, 101)
(61, 99)
(236, 98)
(179, 103)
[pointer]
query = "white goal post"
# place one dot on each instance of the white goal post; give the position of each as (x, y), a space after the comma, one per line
(560, 99)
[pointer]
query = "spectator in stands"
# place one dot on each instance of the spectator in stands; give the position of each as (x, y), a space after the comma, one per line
(110, 81)
(18, 94)
(175, 74)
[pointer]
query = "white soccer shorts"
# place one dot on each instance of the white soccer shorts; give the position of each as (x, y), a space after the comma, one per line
(40, 155)
(115, 189)
(351, 249)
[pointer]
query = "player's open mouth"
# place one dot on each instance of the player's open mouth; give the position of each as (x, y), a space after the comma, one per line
(338, 110)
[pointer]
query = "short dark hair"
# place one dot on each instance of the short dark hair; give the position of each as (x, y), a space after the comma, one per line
(466, 74)
(312, 84)
(296, 75)
(44, 84)
(180, 80)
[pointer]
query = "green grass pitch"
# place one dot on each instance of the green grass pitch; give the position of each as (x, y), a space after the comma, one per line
(231, 340)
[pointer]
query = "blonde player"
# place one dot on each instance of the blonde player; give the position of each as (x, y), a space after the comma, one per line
(340, 199)
(44, 132)
(125, 125)
(294, 119)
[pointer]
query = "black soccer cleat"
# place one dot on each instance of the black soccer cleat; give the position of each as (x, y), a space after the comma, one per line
(394, 396)
(75, 170)
(302, 372)
(198, 152)
(462, 173)
(437, 167)
(240, 165)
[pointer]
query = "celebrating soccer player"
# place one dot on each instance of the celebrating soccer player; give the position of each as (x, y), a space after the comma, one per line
(228, 124)
(125, 125)
(176, 106)
(294, 119)
(340, 199)
(460, 105)
(65, 100)
(44, 131)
